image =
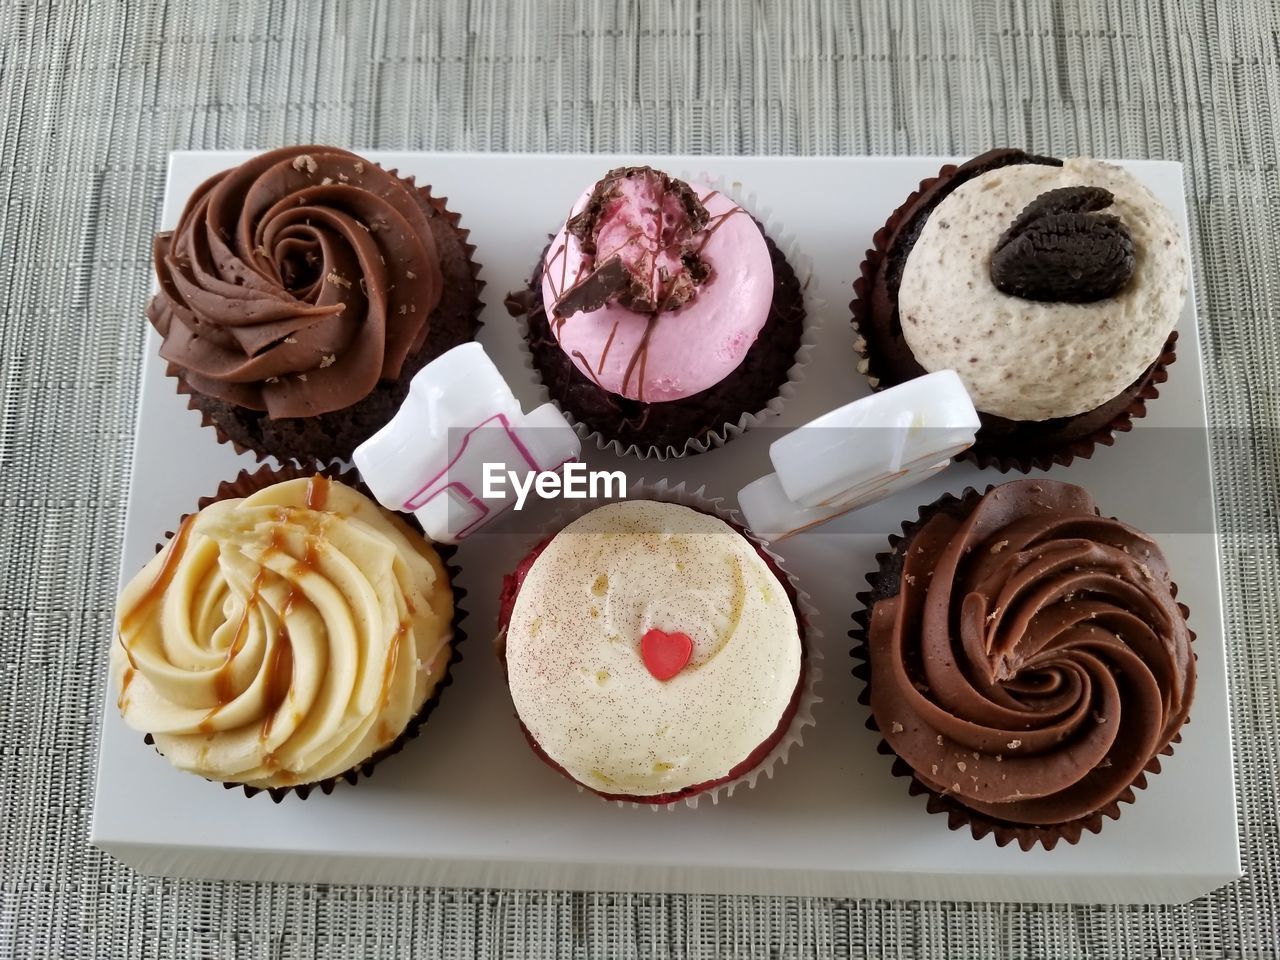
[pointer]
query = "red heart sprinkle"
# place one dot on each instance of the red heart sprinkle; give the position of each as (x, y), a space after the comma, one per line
(665, 654)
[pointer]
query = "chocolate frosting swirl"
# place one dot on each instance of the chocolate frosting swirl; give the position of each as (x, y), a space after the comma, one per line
(295, 281)
(1034, 660)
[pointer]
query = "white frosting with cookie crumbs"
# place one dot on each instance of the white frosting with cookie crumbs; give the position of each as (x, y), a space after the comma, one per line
(577, 678)
(1031, 360)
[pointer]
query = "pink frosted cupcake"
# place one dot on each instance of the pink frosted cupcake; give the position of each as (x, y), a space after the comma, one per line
(662, 317)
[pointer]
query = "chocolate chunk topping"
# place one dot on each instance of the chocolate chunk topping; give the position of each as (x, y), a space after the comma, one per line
(641, 228)
(1059, 248)
(608, 281)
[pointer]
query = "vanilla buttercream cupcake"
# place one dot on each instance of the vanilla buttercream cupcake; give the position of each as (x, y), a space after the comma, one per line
(284, 637)
(1052, 287)
(662, 317)
(652, 651)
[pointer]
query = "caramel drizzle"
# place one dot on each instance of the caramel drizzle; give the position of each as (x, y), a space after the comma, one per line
(280, 670)
(125, 680)
(388, 673)
(164, 576)
(222, 679)
(317, 492)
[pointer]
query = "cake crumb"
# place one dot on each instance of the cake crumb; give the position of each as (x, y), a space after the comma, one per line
(328, 360)
(961, 766)
(896, 727)
(302, 377)
(997, 547)
(411, 275)
(304, 163)
(939, 739)
(290, 339)
(1014, 744)
(337, 279)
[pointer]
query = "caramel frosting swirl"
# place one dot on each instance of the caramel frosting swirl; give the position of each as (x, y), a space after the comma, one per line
(295, 281)
(283, 638)
(1034, 660)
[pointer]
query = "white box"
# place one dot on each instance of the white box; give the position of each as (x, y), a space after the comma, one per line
(468, 804)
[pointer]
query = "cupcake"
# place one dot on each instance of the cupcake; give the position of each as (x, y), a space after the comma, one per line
(291, 633)
(662, 318)
(1026, 661)
(653, 652)
(300, 293)
(1051, 286)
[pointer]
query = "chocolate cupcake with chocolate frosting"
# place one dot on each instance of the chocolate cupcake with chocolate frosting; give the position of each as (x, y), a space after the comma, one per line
(1052, 287)
(1026, 661)
(662, 318)
(300, 293)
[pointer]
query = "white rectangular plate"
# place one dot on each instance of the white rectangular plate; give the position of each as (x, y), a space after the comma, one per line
(468, 804)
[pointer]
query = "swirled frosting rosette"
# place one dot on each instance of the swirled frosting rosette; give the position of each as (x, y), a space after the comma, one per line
(284, 637)
(1026, 660)
(299, 293)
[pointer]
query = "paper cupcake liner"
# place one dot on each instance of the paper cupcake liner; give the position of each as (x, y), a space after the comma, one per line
(302, 457)
(810, 639)
(248, 482)
(959, 816)
(800, 265)
(986, 451)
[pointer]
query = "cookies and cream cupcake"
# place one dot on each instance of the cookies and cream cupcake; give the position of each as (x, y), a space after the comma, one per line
(661, 314)
(1026, 660)
(288, 634)
(1052, 287)
(299, 294)
(652, 651)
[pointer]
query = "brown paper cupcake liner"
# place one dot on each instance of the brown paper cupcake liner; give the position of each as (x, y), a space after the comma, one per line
(797, 717)
(305, 457)
(987, 450)
(884, 582)
(783, 250)
(248, 482)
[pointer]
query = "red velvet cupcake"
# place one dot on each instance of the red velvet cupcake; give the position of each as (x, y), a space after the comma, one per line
(654, 653)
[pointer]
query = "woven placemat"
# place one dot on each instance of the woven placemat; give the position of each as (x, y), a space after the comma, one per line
(94, 95)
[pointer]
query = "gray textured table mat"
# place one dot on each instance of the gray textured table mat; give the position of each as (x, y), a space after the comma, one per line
(94, 95)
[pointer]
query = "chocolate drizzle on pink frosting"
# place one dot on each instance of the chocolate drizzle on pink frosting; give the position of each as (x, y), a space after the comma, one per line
(1034, 660)
(295, 281)
(642, 234)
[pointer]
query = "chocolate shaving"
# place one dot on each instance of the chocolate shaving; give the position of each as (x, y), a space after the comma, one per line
(609, 281)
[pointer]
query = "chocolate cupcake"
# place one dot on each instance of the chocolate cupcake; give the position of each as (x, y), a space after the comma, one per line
(662, 318)
(1026, 661)
(300, 293)
(290, 634)
(1051, 286)
(654, 653)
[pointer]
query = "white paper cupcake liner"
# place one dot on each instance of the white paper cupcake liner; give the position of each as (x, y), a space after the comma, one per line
(800, 264)
(811, 635)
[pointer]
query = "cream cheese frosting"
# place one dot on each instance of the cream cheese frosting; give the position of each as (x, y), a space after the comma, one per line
(283, 638)
(669, 355)
(578, 679)
(1026, 359)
